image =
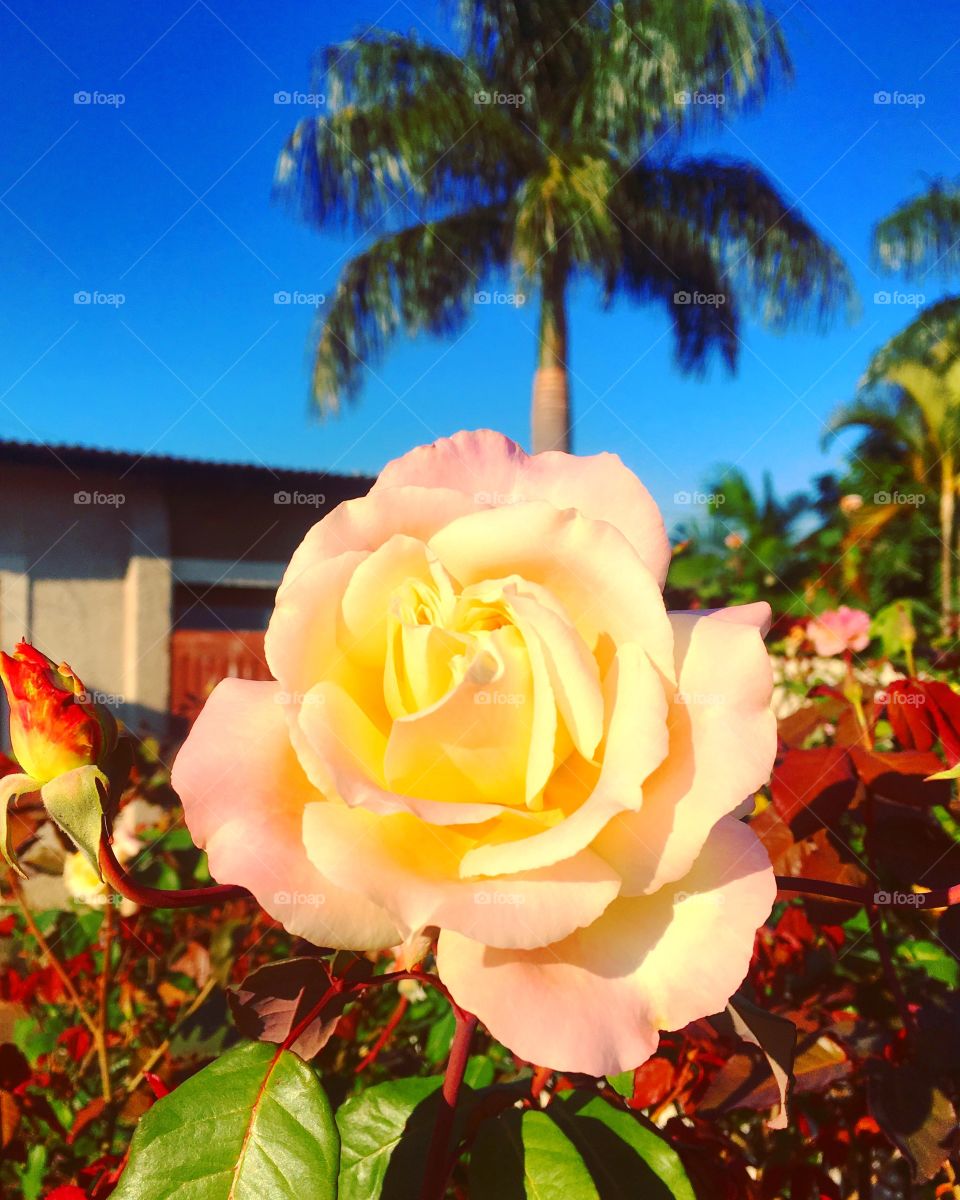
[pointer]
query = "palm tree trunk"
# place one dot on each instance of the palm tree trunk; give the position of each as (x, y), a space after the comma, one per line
(948, 487)
(550, 406)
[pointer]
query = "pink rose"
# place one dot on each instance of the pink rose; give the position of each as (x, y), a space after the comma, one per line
(840, 630)
(486, 723)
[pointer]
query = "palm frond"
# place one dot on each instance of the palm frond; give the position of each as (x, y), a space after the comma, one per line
(422, 278)
(923, 234)
(778, 259)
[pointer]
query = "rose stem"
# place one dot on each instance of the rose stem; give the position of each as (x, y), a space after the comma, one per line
(53, 962)
(151, 897)
(889, 970)
(936, 898)
(385, 1034)
(68, 986)
(439, 1164)
(107, 930)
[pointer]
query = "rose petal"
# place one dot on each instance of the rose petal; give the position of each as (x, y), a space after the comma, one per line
(635, 744)
(412, 869)
(243, 795)
(595, 1001)
(723, 740)
(493, 470)
(589, 566)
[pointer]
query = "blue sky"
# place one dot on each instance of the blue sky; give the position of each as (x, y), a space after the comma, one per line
(165, 200)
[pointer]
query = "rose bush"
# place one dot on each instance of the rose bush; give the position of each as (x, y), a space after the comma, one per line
(486, 724)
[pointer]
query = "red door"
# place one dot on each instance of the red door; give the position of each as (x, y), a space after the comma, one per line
(200, 658)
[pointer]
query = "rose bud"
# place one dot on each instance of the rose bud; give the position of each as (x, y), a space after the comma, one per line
(62, 740)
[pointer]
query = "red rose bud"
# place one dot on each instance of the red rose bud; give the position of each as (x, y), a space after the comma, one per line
(54, 725)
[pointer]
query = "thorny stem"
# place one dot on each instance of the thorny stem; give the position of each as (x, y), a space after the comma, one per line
(151, 897)
(439, 1163)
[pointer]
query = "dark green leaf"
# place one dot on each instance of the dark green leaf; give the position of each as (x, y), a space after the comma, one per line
(627, 1159)
(385, 1132)
(254, 1124)
(527, 1155)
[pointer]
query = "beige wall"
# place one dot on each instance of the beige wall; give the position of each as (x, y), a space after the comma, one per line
(89, 582)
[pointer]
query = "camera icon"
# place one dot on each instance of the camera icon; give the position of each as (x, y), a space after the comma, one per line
(481, 97)
(82, 97)
(881, 297)
(681, 97)
(281, 297)
(882, 498)
(682, 298)
(881, 97)
(282, 498)
(481, 297)
(881, 897)
(282, 97)
(82, 297)
(482, 698)
(82, 498)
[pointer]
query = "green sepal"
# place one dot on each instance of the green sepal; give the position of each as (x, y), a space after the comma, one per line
(12, 786)
(75, 802)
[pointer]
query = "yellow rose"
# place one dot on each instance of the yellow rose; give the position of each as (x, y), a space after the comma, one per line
(485, 724)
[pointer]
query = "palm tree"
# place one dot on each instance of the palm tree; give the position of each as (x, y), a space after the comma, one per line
(547, 151)
(911, 396)
(923, 234)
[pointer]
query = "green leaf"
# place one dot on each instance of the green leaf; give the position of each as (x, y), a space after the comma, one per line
(622, 1084)
(625, 1156)
(384, 1133)
(253, 1124)
(480, 1071)
(527, 1154)
(933, 959)
(74, 801)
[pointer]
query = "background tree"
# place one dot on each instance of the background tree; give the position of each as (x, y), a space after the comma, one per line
(549, 150)
(923, 234)
(910, 396)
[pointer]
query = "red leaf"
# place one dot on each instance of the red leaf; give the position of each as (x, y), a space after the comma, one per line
(88, 1113)
(811, 788)
(156, 1084)
(77, 1041)
(67, 1192)
(901, 775)
(652, 1083)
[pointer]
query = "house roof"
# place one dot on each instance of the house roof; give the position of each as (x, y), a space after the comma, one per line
(157, 465)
